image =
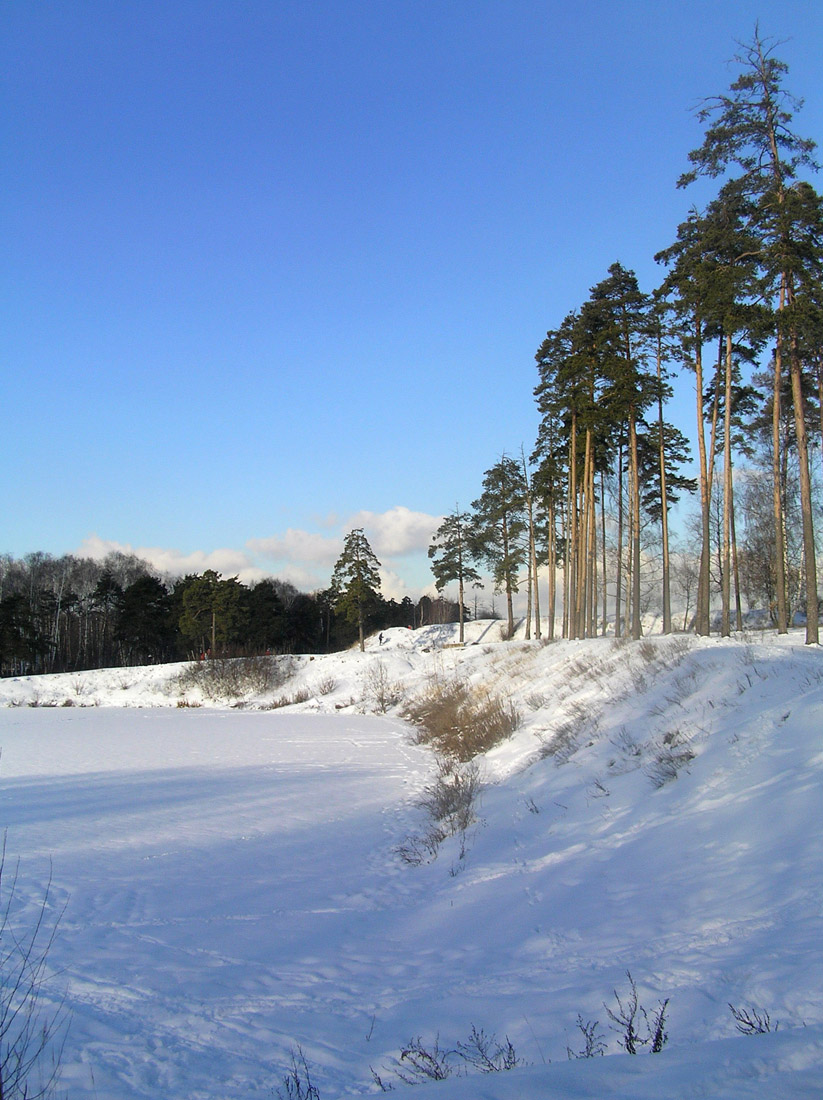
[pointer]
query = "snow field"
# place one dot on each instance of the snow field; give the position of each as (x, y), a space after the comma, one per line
(232, 884)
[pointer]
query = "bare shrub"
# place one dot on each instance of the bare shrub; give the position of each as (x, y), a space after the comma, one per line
(750, 1021)
(419, 1063)
(420, 848)
(484, 1053)
(300, 695)
(297, 1083)
(236, 677)
(326, 686)
(450, 803)
(461, 721)
(32, 1026)
(629, 752)
(450, 800)
(631, 1021)
(676, 649)
(80, 686)
(565, 739)
(536, 701)
(381, 692)
(672, 753)
(598, 789)
(594, 1044)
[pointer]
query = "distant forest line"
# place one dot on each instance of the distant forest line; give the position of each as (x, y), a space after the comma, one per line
(61, 614)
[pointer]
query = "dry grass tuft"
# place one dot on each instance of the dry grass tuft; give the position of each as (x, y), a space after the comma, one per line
(460, 721)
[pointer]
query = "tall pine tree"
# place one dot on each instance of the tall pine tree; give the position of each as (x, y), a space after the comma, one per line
(355, 581)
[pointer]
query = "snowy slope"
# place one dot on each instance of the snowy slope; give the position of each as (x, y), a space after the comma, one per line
(233, 889)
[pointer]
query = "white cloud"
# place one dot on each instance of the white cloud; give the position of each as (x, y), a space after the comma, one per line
(396, 532)
(393, 587)
(227, 562)
(298, 546)
(305, 558)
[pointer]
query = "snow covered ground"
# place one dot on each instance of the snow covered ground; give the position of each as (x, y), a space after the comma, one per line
(233, 889)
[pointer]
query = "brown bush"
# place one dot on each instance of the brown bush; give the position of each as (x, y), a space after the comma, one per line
(460, 721)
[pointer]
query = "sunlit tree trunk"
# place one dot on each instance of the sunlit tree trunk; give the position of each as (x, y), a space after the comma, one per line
(777, 486)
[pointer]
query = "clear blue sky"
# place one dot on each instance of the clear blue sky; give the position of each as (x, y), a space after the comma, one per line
(271, 269)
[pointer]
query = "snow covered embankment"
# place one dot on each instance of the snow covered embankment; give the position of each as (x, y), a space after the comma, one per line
(234, 889)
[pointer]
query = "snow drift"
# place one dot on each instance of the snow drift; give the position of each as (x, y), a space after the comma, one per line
(233, 888)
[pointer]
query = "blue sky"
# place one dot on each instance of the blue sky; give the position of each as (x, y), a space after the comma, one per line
(276, 269)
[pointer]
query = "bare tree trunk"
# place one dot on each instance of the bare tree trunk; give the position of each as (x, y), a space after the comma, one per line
(809, 554)
(572, 536)
(509, 605)
(777, 490)
(583, 565)
(736, 568)
(552, 556)
(725, 628)
(702, 625)
(635, 478)
(604, 581)
(618, 626)
(533, 600)
(528, 625)
(538, 632)
(592, 625)
(664, 499)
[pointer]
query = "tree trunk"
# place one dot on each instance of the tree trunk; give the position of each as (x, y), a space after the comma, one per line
(572, 535)
(777, 489)
(592, 555)
(618, 597)
(664, 500)
(809, 554)
(702, 612)
(736, 569)
(533, 560)
(725, 628)
(583, 541)
(604, 579)
(460, 610)
(552, 556)
(635, 501)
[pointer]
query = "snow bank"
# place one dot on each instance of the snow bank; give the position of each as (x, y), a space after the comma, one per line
(233, 887)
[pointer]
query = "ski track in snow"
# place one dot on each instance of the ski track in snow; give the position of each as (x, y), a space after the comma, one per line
(232, 886)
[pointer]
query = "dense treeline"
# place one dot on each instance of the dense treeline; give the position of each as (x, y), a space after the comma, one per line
(67, 613)
(742, 296)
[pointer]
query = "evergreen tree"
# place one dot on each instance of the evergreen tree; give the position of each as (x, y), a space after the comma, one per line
(499, 528)
(688, 288)
(145, 629)
(355, 581)
(451, 556)
(629, 390)
(264, 617)
(660, 475)
(750, 130)
(551, 455)
(212, 611)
